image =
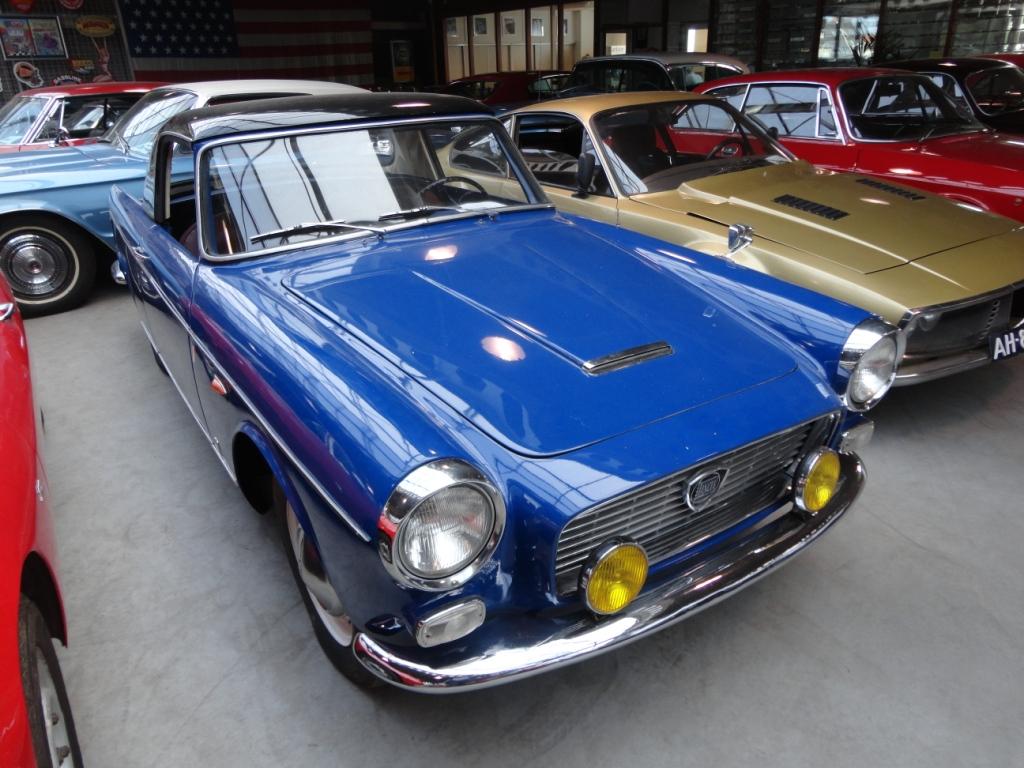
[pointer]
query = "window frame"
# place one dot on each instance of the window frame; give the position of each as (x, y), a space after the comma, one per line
(587, 134)
(200, 154)
(838, 113)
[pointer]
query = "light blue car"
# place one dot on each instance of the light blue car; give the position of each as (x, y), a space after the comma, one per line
(54, 216)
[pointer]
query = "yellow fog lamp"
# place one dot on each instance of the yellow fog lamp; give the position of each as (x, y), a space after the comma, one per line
(817, 480)
(613, 576)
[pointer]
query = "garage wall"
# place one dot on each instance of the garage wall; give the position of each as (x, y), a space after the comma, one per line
(51, 43)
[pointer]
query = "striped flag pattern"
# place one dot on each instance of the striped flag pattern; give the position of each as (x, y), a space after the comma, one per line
(219, 39)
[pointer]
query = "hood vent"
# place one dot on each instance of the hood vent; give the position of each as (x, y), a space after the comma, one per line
(891, 189)
(809, 206)
(627, 357)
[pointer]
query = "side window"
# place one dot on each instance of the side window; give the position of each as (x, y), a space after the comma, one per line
(731, 93)
(792, 110)
(951, 88)
(704, 116)
(552, 145)
(645, 76)
(477, 150)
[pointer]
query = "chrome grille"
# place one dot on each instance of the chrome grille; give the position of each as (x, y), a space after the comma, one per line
(962, 329)
(658, 517)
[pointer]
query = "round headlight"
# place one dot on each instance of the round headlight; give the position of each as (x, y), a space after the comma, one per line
(871, 356)
(446, 532)
(613, 576)
(440, 525)
(817, 480)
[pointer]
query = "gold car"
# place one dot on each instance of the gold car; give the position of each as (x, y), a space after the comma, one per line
(691, 170)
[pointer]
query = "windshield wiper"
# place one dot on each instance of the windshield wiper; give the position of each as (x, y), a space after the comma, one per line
(314, 226)
(418, 213)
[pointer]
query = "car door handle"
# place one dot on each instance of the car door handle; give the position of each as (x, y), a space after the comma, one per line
(6, 310)
(137, 252)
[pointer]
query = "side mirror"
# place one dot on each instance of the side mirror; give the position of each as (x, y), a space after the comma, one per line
(584, 175)
(62, 138)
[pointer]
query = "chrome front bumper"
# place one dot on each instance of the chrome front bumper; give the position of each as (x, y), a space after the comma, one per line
(711, 580)
(911, 372)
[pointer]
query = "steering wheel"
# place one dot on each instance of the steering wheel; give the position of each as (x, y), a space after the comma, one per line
(443, 179)
(731, 141)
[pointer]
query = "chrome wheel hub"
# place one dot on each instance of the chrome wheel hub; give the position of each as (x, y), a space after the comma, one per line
(34, 263)
(54, 717)
(325, 600)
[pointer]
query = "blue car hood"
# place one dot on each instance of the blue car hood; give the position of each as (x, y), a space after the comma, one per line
(72, 166)
(498, 319)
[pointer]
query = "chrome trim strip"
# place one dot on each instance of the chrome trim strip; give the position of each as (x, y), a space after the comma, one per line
(627, 357)
(6, 310)
(699, 587)
(188, 405)
(307, 474)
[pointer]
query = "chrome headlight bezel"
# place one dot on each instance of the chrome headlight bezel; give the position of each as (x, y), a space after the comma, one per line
(417, 487)
(865, 337)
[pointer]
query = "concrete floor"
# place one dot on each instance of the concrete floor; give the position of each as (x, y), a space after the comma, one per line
(898, 640)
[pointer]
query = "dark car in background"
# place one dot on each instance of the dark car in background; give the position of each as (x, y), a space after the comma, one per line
(649, 72)
(506, 90)
(991, 90)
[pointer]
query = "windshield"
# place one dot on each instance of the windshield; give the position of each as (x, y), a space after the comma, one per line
(996, 91)
(901, 108)
(657, 147)
(138, 126)
(17, 116)
(269, 193)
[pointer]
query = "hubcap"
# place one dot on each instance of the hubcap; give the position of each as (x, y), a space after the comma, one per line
(54, 718)
(325, 600)
(34, 263)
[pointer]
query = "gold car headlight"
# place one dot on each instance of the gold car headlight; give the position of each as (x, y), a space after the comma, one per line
(870, 357)
(817, 480)
(613, 576)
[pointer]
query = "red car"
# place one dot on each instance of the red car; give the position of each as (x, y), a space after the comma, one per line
(36, 728)
(64, 115)
(507, 90)
(895, 125)
(1009, 58)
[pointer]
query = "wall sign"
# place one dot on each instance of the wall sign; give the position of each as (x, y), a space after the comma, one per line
(34, 38)
(402, 69)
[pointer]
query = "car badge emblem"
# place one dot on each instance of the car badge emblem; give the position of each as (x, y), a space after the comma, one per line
(703, 488)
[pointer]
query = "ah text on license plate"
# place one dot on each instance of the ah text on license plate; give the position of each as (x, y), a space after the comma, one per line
(1006, 343)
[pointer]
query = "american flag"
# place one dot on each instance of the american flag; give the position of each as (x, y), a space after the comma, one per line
(219, 39)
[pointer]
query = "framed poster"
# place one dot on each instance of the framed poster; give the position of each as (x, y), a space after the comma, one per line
(47, 36)
(402, 69)
(480, 26)
(510, 26)
(537, 27)
(40, 38)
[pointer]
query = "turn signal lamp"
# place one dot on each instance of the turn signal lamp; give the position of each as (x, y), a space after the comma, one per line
(613, 576)
(817, 480)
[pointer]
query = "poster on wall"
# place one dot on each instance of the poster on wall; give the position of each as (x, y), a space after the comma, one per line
(32, 38)
(47, 36)
(402, 69)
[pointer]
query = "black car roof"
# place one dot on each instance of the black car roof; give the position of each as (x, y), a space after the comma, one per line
(299, 111)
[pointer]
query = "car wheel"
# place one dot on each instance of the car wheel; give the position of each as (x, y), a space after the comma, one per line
(332, 626)
(50, 266)
(49, 714)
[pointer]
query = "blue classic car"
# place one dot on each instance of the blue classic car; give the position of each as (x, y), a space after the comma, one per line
(54, 218)
(498, 439)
